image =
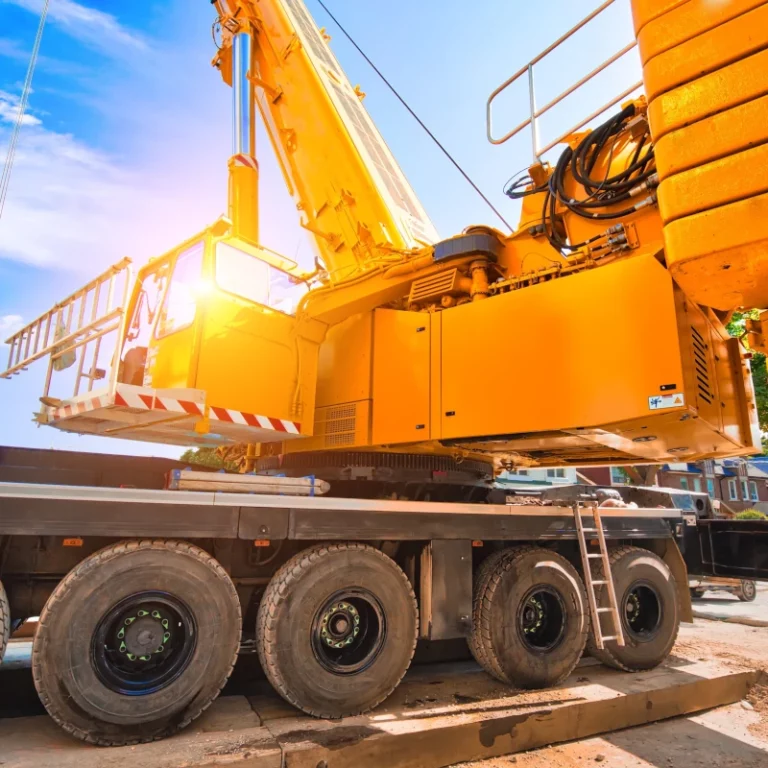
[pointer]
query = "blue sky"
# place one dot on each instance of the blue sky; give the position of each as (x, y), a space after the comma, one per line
(124, 149)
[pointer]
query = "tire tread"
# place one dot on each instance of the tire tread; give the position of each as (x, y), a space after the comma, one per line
(82, 571)
(604, 655)
(281, 584)
(487, 584)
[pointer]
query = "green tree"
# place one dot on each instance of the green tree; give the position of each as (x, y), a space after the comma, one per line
(206, 457)
(737, 327)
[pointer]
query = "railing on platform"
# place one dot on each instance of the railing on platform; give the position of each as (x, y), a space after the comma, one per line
(536, 113)
(72, 331)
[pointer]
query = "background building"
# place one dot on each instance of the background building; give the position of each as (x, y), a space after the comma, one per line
(736, 483)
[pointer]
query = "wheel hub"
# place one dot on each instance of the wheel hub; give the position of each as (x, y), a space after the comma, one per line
(143, 635)
(541, 619)
(633, 607)
(340, 625)
(642, 611)
(533, 615)
(144, 643)
(349, 631)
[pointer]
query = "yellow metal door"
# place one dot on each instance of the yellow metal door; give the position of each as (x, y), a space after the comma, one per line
(581, 351)
(401, 377)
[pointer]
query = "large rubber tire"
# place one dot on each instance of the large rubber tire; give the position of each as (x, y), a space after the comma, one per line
(65, 657)
(504, 648)
(5, 622)
(290, 620)
(747, 591)
(636, 571)
(482, 576)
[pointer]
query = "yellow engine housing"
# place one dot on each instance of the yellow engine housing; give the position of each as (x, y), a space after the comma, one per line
(637, 372)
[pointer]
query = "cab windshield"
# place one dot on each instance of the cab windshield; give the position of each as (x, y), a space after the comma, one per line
(252, 279)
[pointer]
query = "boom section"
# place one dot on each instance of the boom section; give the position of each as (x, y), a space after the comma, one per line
(351, 193)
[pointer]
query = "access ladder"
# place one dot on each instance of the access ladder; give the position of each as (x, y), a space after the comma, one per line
(606, 580)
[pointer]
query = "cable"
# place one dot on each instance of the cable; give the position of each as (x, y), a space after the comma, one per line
(9, 158)
(605, 193)
(416, 117)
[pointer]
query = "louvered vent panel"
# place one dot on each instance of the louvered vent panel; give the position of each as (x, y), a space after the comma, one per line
(337, 425)
(703, 383)
(433, 286)
(337, 441)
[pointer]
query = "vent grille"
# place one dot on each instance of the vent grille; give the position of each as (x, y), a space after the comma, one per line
(433, 286)
(701, 366)
(341, 425)
(337, 425)
(337, 441)
(341, 412)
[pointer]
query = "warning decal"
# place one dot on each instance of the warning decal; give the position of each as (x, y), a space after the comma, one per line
(675, 400)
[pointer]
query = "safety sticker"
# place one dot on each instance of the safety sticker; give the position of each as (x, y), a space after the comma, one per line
(675, 400)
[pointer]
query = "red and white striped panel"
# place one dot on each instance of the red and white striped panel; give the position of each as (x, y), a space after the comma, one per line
(90, 404)
(253, 420)
(128, 396)
(153, 402)
(247, 160)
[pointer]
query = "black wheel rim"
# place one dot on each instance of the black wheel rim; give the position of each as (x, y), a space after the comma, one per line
(642, 611)
(542, 619)
(349, 631)
(143, 643)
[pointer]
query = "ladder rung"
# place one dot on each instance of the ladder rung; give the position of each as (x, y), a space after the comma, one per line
(609, 637)
(604, 610)
(589, 530)
(599, 581)
(593, 555)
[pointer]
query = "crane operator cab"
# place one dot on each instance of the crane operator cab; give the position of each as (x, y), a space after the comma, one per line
(213, 325)
(210, 334)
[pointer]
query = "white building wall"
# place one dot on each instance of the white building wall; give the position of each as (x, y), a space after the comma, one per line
(559, 476)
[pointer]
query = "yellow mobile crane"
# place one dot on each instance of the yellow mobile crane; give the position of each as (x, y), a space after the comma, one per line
(370, 360)
(652, 228)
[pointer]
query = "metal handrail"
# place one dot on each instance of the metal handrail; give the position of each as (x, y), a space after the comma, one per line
(68, 329)
(537, 113)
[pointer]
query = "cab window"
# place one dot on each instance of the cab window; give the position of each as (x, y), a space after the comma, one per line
(180, 303)
(252, 279)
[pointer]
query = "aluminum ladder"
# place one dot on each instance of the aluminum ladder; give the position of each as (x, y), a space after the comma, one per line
(586, 558)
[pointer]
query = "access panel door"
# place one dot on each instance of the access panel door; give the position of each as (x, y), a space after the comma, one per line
(401, 377)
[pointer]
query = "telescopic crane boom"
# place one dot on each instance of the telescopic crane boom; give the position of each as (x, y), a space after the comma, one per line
(349, 190)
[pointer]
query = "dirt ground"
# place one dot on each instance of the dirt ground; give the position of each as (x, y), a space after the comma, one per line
(735, 736)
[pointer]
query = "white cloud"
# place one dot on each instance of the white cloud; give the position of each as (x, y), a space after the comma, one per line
(9, 110)
(12, 49)
(9, 324)
(95, 28)
(74, 208)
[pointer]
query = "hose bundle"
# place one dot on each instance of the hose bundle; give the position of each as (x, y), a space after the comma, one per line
(600, 193)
